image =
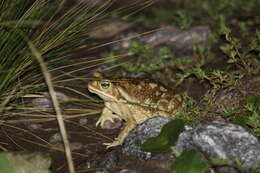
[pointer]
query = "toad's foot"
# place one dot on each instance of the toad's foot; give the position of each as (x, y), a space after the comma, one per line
(105, 117)
(113, 144)
(121, 137)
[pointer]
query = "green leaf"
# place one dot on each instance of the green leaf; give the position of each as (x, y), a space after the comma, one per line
(168, 136)
(226, 49)
(242, 121)
(252, 103)
(191, 161)
(199, 73)
(232, 61)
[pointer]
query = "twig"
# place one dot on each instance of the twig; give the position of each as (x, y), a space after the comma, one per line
(55, 102)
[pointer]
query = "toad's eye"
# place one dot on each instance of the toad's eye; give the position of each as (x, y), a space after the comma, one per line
(105, 84)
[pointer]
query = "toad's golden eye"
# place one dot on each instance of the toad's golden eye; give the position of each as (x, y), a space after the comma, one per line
(105, 84)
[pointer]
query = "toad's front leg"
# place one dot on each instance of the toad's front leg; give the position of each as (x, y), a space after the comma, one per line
(121, 137)
(106, 115)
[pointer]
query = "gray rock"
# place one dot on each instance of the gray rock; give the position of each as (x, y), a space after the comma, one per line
(150, 128)
(179, 40)
(110, 160)
(224, 141)
(182, 42)
(45, 101)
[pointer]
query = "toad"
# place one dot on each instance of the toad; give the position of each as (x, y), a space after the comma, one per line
(133, 100)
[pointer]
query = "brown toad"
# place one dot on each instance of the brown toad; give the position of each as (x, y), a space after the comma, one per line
(133, 100)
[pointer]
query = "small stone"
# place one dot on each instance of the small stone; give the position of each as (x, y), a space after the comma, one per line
(45, 100)
(83, 121)
(42, 103)
(102, 171)
(35, 126)
(109, 30)
(76, 146)
(55, 138)
(127, 171)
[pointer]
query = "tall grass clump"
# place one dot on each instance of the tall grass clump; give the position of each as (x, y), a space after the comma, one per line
(55, 27)
(37, 36)
(52, 30)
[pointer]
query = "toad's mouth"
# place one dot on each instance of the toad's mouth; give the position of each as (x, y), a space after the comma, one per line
(102, 95)
(92, 90)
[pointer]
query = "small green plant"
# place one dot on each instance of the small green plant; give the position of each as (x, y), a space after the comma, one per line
(229, 111)
(252, 106)
(245, 28)
(217, 78)
(223, 79)
(215, 8)
(183, 19)
(142, 58)
(192, 114)
(159, 15)
(137, 48)
(239, 55)
(162, 15)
